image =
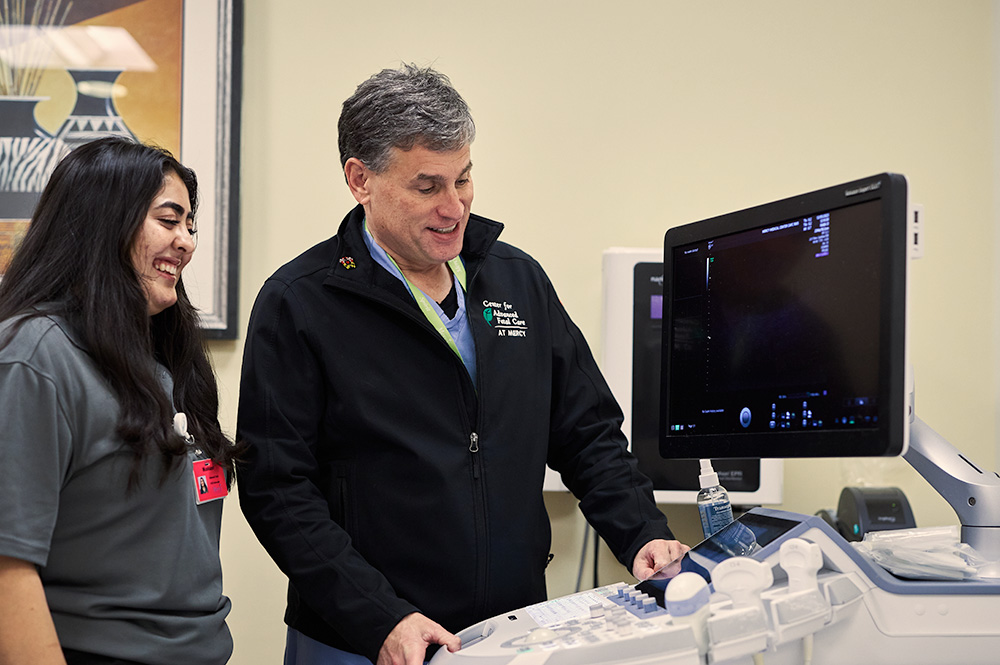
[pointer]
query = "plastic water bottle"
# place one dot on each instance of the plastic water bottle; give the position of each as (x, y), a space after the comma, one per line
(713, 501)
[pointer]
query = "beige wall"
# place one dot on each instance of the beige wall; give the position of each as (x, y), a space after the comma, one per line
(603, 124)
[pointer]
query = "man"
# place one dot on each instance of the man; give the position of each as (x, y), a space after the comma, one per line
(404, 385)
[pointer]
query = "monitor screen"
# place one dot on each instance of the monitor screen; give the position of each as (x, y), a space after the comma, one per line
(749, 535)
(743, 537)
(784, 328)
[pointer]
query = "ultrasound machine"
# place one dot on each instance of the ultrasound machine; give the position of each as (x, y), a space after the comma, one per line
(784, 335)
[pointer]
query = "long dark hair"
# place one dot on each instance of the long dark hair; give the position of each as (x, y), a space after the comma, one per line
(76, 259)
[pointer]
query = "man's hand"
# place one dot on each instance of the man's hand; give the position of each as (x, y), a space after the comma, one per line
(407, 643)
(656, 554)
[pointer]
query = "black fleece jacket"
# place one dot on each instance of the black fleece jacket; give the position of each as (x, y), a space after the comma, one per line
(382, 481)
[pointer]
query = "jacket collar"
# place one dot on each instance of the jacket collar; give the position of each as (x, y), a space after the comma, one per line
(353, 264)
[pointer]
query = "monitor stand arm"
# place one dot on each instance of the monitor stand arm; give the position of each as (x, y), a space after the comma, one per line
(971, 491)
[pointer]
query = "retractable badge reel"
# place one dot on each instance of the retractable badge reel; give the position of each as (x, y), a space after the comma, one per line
(209, 477)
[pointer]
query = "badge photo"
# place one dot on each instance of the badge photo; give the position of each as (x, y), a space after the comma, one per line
(209, 481)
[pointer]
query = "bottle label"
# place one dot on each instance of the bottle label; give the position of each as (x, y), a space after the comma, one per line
(715, 516)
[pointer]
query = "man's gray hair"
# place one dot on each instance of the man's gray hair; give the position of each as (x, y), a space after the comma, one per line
(401, 108)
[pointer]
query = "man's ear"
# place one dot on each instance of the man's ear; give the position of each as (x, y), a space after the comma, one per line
(357, 179)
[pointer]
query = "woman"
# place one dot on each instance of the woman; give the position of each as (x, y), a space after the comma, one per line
(108, 546)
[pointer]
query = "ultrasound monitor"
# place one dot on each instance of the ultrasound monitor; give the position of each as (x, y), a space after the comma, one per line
(784, 328)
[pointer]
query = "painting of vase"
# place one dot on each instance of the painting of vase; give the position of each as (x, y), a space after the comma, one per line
(73, 72)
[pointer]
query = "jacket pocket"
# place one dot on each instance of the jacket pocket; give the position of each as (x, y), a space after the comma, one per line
(339, 495)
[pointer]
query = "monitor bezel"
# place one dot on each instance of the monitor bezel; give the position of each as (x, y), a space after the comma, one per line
(889, 437)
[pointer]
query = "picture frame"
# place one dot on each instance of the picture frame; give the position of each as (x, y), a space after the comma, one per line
(166, 72)
(210, 144)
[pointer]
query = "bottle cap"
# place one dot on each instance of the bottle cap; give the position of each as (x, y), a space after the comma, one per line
(708, 477)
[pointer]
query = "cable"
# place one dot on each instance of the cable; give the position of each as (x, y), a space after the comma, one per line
(597, 556)
(583, 558)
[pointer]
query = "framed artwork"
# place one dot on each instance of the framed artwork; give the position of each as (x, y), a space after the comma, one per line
(167, 72)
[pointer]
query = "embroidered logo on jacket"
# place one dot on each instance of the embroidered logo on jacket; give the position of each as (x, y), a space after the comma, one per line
(347, 262)
(503, 317)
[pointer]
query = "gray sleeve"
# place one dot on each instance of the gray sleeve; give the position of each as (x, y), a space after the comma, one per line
(35, 452)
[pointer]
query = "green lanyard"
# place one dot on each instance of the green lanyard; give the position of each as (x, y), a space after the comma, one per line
(458, 269)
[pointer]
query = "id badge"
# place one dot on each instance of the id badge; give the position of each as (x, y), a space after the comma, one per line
(209, 481)
(209, 477)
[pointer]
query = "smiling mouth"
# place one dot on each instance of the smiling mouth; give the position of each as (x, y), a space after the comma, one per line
(168, 268)
(446, 230)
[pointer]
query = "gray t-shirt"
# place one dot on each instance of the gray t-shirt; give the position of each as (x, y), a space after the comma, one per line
(133, 575)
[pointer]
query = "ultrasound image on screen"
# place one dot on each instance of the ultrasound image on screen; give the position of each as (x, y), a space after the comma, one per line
(777, 328)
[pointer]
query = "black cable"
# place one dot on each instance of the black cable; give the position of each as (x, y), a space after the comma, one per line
(583, 558)
(597, 556)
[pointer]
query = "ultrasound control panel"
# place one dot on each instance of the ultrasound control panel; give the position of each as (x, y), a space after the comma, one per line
(605, 624)
(776, 587)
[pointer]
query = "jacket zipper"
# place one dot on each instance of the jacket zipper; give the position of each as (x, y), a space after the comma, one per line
(481, 601)
(474, 448)
(481, 597)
